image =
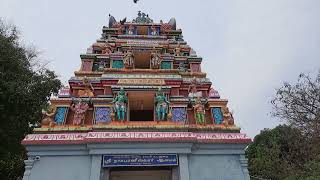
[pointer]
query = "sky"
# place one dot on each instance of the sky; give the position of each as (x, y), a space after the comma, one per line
(249, 48)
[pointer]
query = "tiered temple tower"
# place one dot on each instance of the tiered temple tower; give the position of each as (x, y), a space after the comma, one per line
(139, 107)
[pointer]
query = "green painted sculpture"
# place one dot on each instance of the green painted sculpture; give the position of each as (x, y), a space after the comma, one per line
(199, 111)
(120, 104)
(162, 106)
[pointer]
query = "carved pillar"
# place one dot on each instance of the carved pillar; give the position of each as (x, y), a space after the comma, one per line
(244, 165)
(28, 166)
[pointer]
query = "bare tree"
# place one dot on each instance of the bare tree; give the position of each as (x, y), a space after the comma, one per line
(299, 104)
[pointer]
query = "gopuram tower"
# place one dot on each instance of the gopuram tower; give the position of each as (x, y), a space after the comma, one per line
(139, 108)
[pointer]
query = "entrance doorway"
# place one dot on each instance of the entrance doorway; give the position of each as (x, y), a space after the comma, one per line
(141, 173)
(141, 106)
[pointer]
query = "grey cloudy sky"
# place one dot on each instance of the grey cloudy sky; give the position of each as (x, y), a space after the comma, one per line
(249, 47)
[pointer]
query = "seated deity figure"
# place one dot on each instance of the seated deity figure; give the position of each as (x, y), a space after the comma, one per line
(107, 49)
(130, 30)
(182, 67)
(79, 108)
(128, 59)
(88, 90)
(155, 60)
(154, 31)
(48, 116)
(227, 116)
(193, 92)
(199, 112)
(120, 104)
(162, 105)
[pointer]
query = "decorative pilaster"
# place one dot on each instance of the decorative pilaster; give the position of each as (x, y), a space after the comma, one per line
(95, 167)
(244, 165)
(28, 166)
(183, 167)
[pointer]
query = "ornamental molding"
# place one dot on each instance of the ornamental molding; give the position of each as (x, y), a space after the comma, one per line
(90, 137)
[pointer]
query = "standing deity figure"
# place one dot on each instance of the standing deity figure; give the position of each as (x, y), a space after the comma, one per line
(88, 89)
(199, 112)
(227, 116)
(155, 60)
(120, 104)
(177, 51)
(48, 116)
(80, 108)
(162, 106)
(128, 59)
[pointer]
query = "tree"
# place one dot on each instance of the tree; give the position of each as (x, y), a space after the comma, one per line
(25, 88)
(277, 153)
(292, 151)
(299, 104)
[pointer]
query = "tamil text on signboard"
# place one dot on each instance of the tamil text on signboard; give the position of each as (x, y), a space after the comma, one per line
(140, 160)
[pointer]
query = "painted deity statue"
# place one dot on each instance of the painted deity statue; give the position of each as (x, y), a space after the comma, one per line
(155, 60)
(48, 116)
(106, 49)
(88, 88)
(154, 31)
(199, 112)
(130, 30)
(128, 59)
(80, 108)
(120, 104)
(177, 51)
(162, 106)
(227, 116)
(182, 67)
(193, 92)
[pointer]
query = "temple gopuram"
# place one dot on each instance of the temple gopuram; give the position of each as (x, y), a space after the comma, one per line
(138, 108)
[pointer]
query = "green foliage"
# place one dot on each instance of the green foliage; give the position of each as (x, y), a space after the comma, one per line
(25, 88)
(290, 152)
(277, 153)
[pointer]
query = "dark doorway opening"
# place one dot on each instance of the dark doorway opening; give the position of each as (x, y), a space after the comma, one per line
(141, 106)
(141, 115)
(141, 173)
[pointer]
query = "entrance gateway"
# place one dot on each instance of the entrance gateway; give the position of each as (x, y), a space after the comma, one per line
(138, 108)
(142, 167)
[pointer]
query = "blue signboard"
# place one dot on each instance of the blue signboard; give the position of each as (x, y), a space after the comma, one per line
(140, 160)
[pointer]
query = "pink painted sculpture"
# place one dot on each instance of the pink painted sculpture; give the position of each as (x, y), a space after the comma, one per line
(79, 110)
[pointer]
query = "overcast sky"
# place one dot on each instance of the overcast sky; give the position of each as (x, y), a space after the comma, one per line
(249, 47)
